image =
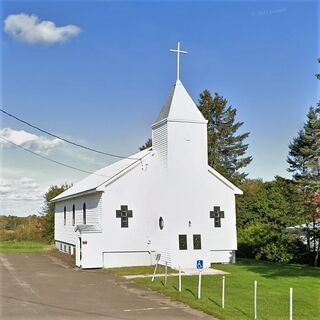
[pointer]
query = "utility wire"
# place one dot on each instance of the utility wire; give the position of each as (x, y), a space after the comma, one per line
(66, 140)
(54, 161)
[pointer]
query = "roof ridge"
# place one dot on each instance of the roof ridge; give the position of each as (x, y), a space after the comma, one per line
(91, 182)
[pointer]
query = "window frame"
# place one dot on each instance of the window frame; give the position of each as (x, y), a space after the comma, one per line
(124, 214)
(73, 215)
(161, 223)
(64, 215)
(195, 236)
(84, 213)
(182, 242)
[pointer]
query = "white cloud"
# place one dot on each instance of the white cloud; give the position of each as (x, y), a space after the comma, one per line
(20, 197)
(28, 183)
(25, 189)
(5, 186)
(30, 29)
(28, 140)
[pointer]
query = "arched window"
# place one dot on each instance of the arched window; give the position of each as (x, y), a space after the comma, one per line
(84, 213)
(73, 215)
(64, 215)
(161, 223)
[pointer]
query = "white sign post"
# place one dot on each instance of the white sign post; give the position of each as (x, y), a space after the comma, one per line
(179, 279)
(166, 274)
(199, 267)
(158, 256)
(223, 284)
(199, 285)
(291, 303)
(255, 300)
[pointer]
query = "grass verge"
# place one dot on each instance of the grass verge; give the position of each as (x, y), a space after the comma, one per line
(274, 281)
(23, 246)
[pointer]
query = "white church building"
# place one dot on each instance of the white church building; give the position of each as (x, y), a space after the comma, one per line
(163, 200)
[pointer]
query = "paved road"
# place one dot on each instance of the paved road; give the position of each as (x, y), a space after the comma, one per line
(40, 286)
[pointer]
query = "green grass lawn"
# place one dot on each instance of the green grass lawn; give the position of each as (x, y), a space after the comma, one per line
(274, 281)
(138, 270)
(23, 246)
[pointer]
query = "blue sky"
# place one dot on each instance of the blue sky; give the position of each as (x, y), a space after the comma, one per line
(106, 85)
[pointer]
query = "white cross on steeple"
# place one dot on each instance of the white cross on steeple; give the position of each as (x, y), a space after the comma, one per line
(178, 51)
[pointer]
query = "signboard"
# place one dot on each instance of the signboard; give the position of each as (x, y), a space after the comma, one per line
(199, 264)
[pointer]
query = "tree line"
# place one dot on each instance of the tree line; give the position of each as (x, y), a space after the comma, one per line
(22, 228)
(33, 227)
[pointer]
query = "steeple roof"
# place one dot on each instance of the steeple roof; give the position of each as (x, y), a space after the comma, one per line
(180, 106)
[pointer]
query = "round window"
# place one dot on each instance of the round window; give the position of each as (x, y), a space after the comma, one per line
(161, 223)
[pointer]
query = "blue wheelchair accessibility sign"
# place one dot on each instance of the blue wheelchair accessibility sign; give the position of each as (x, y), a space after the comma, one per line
(199, 264)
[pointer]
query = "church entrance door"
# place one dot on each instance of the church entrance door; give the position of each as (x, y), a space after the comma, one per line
(79, 252)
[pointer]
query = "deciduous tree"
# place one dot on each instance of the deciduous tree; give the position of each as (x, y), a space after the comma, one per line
(264, 213)
(49, 208)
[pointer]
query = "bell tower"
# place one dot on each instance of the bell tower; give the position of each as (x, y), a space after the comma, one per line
(179, 134)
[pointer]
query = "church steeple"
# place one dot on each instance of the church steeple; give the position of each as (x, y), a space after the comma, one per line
(179, 134)
(180, 106)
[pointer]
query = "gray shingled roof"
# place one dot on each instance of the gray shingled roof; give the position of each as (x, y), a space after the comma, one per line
(164, 113)
(180, 106)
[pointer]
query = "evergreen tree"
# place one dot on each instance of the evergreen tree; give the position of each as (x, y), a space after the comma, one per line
(304, 151)
(318, 74)
(48, 210)
(304, 164)
(147, 145)
(226, 148)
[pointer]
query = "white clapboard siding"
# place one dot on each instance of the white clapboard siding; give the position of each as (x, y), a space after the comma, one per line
(66, 233)
(160, 141)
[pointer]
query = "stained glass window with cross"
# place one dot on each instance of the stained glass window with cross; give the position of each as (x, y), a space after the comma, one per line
(124, 214)
(217, 215)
